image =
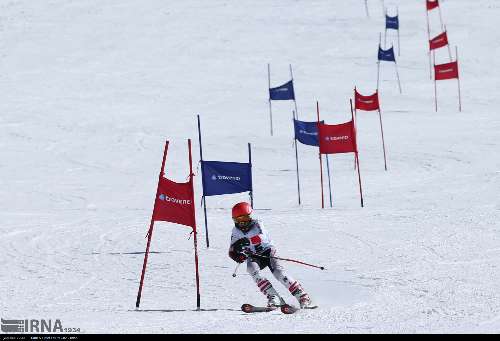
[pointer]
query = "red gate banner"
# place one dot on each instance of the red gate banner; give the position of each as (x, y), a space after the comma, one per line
(367, 103)
(438, 41)
(174, 203)
(338, 138)
(446, 71)
(431, 4)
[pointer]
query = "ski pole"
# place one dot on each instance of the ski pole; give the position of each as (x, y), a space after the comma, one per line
(236, 269)
(288, 260)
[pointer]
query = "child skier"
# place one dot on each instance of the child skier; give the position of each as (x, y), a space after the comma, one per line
(251, 243)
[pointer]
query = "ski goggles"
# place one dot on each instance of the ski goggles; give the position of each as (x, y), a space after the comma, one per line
(242, 219)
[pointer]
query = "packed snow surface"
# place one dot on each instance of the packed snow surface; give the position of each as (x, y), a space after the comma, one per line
(90, 91)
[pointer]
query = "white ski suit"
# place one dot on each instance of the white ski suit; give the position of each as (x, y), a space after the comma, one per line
(261, 245)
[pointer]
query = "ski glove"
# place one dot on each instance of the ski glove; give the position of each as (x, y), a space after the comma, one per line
(237, 250)
(237, 257)
(241, 245)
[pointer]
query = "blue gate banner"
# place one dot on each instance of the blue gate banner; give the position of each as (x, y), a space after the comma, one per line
(306, 132)
(391, 22)
(226, 177)
(283, 92)
(387, 55)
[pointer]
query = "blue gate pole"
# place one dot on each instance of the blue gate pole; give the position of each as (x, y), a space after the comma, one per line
(203, 182)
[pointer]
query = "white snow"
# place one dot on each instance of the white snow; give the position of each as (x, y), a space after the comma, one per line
(91, 89)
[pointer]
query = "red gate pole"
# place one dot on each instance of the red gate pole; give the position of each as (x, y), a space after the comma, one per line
(355, 115)
(320, 161)
(359, 180)
(383, 142)
(356, 154)
(150, 231)
(381, 130)
(195, 239)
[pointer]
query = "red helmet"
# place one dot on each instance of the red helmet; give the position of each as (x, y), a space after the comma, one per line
(241, 208)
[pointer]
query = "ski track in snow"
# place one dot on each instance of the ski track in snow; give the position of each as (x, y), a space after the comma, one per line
(85, 113)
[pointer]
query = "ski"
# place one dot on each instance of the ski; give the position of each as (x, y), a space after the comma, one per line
(290, 309)
(285, 309)
(248, 308)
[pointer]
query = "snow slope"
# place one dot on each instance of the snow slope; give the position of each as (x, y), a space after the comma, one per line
(91, 90)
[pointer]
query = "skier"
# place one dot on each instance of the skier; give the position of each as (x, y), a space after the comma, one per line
(251, 243)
